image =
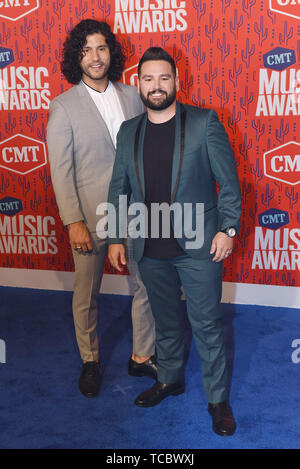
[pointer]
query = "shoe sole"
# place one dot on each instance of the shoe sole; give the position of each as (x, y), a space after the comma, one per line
(228, 433)
(175, 393)
(139, 374)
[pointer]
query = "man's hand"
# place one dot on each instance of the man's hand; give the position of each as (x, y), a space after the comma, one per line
(116, 254)
(221, 246)
(80, 237)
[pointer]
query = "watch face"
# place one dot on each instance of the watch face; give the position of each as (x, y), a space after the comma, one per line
(231, 232)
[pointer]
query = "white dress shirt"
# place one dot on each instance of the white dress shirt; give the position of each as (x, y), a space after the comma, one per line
(109, 106)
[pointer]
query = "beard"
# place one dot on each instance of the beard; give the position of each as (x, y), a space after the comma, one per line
(160, 106)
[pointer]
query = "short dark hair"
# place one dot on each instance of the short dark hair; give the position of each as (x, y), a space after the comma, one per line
(72, 50)
(156, 53)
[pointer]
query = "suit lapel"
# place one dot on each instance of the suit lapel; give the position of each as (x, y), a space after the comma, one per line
(178, 148)
(123, 101)
(180, 119)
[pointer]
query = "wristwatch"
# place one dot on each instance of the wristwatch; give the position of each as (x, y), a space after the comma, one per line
(231, 232)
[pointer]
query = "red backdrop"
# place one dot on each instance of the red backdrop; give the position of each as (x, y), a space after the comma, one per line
(239, 57)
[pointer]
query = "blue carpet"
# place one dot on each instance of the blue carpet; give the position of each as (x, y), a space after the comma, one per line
(41, 407)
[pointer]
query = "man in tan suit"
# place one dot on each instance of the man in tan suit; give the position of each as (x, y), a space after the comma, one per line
(81, 138)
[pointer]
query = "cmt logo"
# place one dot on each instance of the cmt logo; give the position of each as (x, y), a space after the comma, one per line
(6, 57)
(279, 58)
(10, 206)
(273, 219)
(286, 7)
(15, 9)
(130, 76)
(283, 163)
(22, 154)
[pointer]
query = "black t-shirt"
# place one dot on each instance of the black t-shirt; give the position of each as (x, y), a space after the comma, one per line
(158, 159)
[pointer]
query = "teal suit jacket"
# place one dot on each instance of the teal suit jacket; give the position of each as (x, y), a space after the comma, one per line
(202, 157)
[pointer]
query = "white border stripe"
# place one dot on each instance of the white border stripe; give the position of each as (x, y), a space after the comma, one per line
(239, 293)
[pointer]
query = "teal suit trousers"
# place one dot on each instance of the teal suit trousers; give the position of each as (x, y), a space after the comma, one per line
(202, 284)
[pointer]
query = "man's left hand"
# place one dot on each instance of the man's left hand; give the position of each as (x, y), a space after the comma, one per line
(221, 246)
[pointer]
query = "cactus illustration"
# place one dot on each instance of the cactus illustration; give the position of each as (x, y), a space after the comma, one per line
(35, 202)
(223, 47)
(41, 132)
(225, 5)
(292, 196)
(186, 39)
(197, 100)
(246, 100)
(286, 36)
(128, 48)
(26, 28)
(46, 180)
(164, 39)
(5, 35)
(69, 27)
(235, 72)
(266, 279)
(177, 54)
(58, 51)
(222, 95)
(104, 7)
(81, 10)
(211, 27)
(267, 196)
(201, 8)
(261, 31)
(57, 6)
(246, 189)
(252, 213)
(30, 120)
(245, 147)
(10, 124)
(48, 25)
(18, 54)
(234, 119)
(259, 128)
(243, 275)
(247, 53)
(4, 184)
(236, 24)
(186, 85)
(257, 173)
(38, 47)
(24, 185)
(247, 5)
(271, 15)
(287, 279)
(282, 132)
(210, 76)
(197, 53)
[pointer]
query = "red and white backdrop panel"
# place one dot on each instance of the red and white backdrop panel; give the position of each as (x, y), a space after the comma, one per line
(239, 57)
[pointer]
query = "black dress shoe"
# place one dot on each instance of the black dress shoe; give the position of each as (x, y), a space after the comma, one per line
(158, 392)
(89, 381)
(147, 368)
(222, 417)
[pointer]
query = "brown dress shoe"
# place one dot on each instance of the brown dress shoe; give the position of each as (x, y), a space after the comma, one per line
(222, 417)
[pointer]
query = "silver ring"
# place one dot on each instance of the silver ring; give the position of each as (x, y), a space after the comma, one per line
(78, 247)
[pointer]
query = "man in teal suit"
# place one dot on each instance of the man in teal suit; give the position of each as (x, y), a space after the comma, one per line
(176, 154)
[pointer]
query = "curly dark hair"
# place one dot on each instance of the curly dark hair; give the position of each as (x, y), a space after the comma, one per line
(72, 50)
